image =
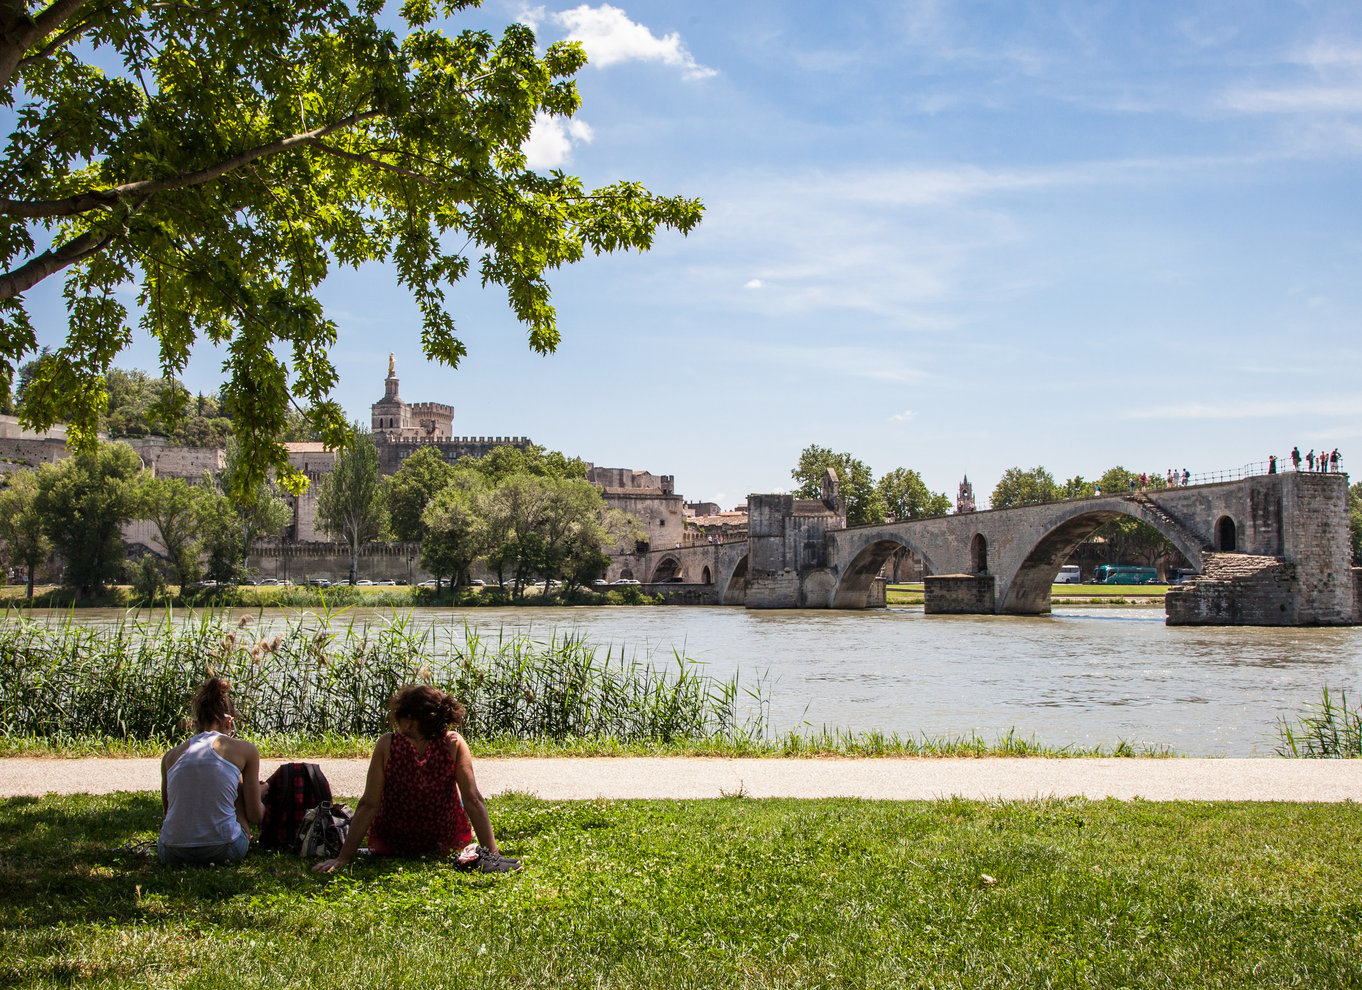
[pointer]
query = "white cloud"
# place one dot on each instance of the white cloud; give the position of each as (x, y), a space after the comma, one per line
(754, 283)
(610, 37)
(904, 416)
(1297, 99)
(551, 140)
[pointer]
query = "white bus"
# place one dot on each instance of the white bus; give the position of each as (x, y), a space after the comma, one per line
(1068, 574)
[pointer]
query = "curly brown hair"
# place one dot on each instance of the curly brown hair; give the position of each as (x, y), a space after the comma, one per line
(212, 703)
(434, 711)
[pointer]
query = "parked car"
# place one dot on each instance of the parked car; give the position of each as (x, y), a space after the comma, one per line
(389, 582)
(625, 581)
(426, 584)
(477, 583)
(319, 582)
(364, 581)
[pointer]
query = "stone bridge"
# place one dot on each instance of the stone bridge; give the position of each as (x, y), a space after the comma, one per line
(1271, 550)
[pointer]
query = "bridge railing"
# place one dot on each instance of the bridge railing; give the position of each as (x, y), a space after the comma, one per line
(1282, 465)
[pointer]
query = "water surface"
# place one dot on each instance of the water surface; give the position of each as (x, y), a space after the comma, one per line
(1083, 676)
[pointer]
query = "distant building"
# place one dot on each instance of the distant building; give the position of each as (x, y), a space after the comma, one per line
(964, 498)
(402, 428)
(649, 498)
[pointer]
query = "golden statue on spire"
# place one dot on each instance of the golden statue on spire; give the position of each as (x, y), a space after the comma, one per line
(392, 365)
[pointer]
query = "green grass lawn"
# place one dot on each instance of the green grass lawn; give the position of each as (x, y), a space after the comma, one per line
(733, 892)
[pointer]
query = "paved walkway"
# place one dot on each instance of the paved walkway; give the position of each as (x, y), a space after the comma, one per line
(886, 779)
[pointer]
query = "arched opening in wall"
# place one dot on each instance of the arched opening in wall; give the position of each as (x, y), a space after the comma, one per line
(978, 554)
(904, 567)
(626, 575)
(1226, 535)
(706, 577)
(668, 571)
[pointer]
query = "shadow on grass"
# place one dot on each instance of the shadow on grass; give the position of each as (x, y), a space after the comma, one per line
(74, 860)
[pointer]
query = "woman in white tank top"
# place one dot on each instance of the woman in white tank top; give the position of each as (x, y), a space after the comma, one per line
(210, 785)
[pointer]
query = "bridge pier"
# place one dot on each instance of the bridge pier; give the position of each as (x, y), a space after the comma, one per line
(1306, 580)
(960, 594)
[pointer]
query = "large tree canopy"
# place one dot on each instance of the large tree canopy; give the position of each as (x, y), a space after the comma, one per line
(223, 157)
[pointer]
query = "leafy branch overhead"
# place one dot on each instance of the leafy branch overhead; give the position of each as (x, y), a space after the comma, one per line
(224, 157)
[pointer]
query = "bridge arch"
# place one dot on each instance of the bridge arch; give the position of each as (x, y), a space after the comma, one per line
(853, 587)
(1024, 589)
(735, 590)
(667, 569)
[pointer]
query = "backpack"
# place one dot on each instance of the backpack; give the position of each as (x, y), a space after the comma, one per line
(322, 833)
(294, 790)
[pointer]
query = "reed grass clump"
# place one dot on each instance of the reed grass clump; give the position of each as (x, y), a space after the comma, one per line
(325, 676)
(1329, 730)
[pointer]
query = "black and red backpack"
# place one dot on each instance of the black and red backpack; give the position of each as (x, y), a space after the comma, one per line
(293, 790)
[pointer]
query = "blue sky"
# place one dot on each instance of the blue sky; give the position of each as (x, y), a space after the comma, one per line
(956, 237)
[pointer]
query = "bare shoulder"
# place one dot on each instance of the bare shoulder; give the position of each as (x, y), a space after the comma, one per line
(457, 745)
(237, 751)
(383, 747)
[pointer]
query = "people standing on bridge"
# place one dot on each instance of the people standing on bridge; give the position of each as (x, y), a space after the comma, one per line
(1295, 458)
(1310, 460)
(1186, 477)
(1333, 461)
(1271, 463)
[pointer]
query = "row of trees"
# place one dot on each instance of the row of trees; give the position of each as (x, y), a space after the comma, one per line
(528, 513)
(137, 404)
(899, 494)
(77, 509)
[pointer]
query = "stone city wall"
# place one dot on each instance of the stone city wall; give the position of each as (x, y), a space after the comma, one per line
(392, 452)
(30, 452)
(167, 461)
(299, 562)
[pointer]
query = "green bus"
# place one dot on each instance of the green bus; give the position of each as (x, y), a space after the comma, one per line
(1124, 574)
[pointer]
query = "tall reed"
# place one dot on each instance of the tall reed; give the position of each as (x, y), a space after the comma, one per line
(325, 674)
(1328, 730)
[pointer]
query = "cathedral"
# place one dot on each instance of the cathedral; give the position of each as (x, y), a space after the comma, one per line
(394, 419)
(401, 428)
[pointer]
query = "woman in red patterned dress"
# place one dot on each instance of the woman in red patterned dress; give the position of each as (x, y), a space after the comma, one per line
(421, 798)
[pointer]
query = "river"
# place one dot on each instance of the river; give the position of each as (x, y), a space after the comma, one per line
(1082, 676)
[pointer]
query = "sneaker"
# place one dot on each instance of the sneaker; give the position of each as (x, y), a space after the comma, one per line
(490, 862)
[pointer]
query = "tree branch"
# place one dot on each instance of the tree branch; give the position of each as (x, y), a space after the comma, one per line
(386, 166)
(50, 262)
(19, 32)
(146, 188)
